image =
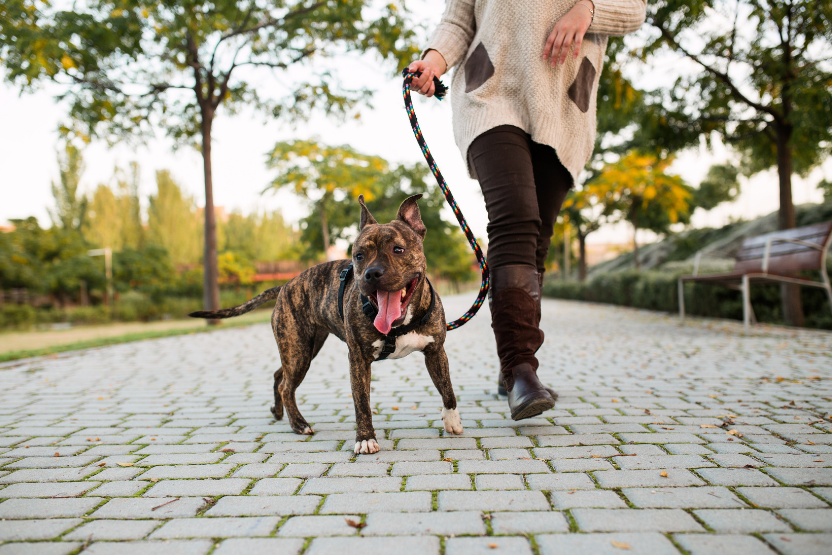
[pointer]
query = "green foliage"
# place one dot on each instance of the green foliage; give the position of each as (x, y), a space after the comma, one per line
(657, 290)
(826, 187)
(720, 185)
(172, 221)
(130, 65)
(114, 218)
(148, 271)
(70, 209)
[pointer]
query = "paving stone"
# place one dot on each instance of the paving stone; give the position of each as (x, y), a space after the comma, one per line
(47, 529)
(647, 543)
(502, 467)
(166, 547)
(487, 546)
(47, 475)
(664, 461)
(499, 482)
(506, 442)
(258, 470)
(735, 477)
(575, 452)
(216, 527)
(119, 489)
(434, 523)
(644, 450)
(802, 476)
(698, 544)
(574, 499)
(113, 530)
(646, 478)
(441, 443)
(358, 469)
(528, 522)
(683, 498)
(188, 471)
(508, 454)
(552, 482)
(57, 489)
(734, 521)
(659, 437)
(576, 439)
(644, 520)
(47, 508)
(800, 544)
(464, 455)
(200, 488)
(53, 548)
(317, 526)
(309, 470)
(405, 502)
(492, 501)
(810, 520)
(781, 498)
(259, 546)
(580, 465)
(193, 458)
(264, 506)
(435, 482)
(345, 485)
(685, 449)
(413, 468)
(136, 507)
(403, 545)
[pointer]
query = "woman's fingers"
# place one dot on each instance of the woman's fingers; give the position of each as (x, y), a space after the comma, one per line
(564, 50)
(550, 42)
(427, 75)
(579, 39)
(556, 46)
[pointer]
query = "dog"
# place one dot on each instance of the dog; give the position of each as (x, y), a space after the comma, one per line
(380, 303)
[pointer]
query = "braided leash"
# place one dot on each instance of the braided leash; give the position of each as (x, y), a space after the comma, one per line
(417, 132)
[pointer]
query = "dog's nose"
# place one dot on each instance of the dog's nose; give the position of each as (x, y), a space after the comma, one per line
(373, 274)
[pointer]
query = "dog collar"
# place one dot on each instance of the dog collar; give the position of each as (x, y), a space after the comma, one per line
(371, 311)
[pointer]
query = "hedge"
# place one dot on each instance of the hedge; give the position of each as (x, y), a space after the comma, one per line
(658, 290)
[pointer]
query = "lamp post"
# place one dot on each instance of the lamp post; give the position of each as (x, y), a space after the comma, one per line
(107, 252)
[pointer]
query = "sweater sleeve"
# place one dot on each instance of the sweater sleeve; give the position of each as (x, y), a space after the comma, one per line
(455, 32)
(618, 17)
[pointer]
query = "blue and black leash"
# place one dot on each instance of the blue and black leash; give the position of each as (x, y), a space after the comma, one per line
(440, 91)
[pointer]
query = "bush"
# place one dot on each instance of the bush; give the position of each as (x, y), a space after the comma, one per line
(657, 290)
(17, 316)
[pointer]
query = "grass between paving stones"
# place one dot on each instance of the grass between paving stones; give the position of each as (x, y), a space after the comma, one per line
(10, 356)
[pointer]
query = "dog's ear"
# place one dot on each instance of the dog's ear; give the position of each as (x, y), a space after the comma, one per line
(366, 217)
(409, 214)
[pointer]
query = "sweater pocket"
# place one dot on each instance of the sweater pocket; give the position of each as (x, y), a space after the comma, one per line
(581, 90)
(478, 68)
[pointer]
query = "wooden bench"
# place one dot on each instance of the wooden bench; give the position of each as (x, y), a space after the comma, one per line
(773, 257)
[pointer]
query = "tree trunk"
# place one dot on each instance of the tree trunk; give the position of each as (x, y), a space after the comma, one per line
(566, 254)
(789, 293)
(582, 256)
(211, 287)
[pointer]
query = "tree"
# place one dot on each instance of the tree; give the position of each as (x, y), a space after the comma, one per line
(763, 85)
(584, 212)
(258, 236)
(172, 221)
(826, 187)
(639, 190)
(70, 205)
(114, 217)
(127, 66)
(720, 185)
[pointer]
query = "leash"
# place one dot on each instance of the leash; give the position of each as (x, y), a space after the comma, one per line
(441, 90)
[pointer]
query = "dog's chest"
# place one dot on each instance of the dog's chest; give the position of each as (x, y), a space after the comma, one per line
(405, 345)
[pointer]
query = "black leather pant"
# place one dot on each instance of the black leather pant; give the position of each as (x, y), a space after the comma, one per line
(524, 185)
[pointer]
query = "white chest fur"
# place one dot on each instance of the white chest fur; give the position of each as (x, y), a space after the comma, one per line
(405, 345)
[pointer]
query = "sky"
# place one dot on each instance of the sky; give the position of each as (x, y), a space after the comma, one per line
(30, 141)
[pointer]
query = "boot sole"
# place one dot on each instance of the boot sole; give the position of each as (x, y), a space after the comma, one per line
(533, 407)
(501, 390)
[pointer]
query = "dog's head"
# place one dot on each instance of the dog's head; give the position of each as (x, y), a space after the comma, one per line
(389, 261)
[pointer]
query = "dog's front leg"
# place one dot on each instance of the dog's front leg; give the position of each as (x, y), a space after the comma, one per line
(437, 363)
(360, 374)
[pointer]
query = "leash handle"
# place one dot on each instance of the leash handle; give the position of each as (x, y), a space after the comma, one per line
(440, 91)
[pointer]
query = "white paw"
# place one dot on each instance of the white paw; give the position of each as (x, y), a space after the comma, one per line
(308, 431)
(453, 423)
(366, 447)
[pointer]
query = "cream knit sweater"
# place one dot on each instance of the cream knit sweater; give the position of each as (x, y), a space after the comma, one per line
(499, 44)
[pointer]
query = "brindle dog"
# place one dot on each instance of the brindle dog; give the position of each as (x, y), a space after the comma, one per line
(389, 270)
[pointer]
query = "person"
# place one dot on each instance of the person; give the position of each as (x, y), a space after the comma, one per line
(523, 102)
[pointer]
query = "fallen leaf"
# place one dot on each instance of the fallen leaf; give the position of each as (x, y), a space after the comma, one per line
(414, 407)
(354, 524)
(227, 450)
(708, 426)
(596, 456)
(153, 439)
(492, 545)
(734, 433)
(395, 408)
(125, 464)
(817, 460)
(749, 466)
(663, 473)
(101, 398)
(713, 396)
(667, 427)
(98, 439)
(57, 454)
(154, 480)
(785, 539)
(102, 464)
(615, 400)
(807, 441)
(446, 459)
(620, 545)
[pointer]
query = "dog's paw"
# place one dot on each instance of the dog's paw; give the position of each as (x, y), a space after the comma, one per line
(453, 423)
(308, 431)
(366, 447)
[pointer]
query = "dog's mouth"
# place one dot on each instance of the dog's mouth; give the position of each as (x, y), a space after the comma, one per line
(392, 306)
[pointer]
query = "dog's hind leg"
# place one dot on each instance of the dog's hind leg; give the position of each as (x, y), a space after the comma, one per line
(437, 364)
(297, 354)
(277, 407)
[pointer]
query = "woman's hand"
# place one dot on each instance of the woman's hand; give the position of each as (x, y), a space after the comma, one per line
(569, 31)
(433, 65)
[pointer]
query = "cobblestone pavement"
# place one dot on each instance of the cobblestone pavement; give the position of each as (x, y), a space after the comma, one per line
(665, 440)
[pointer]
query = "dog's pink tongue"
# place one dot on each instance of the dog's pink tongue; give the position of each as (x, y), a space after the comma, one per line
(389, 310)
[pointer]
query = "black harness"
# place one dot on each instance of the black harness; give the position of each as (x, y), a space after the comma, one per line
(371, 311)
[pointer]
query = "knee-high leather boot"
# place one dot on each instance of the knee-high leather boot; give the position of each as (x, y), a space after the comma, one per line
(501, 390)
(514, 296)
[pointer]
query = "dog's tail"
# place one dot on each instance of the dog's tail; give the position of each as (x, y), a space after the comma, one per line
(266, 295)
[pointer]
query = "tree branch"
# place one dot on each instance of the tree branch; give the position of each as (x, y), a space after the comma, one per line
(718, 74)
(270, 22)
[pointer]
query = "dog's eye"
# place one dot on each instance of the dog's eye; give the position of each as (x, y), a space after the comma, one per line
(398, 250)
(359, 257)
